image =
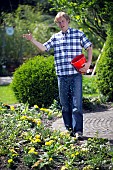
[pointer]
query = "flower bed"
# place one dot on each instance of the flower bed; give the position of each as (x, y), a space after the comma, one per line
(27, 142)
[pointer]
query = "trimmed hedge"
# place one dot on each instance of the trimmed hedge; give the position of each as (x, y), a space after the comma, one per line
(105, 68)
(35, 82)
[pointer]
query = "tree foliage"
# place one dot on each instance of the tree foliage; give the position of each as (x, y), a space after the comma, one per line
(14, 49)
(10, 6)
(105, 68)
(94, 14)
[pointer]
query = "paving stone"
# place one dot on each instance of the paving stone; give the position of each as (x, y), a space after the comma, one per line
(5, 80)
(100, 123)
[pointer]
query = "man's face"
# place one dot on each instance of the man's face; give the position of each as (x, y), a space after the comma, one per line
(63, 24)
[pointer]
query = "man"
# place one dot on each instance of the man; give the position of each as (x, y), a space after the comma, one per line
(67, 44)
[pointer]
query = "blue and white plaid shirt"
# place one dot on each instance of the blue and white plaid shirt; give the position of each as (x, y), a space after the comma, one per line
(66, 47)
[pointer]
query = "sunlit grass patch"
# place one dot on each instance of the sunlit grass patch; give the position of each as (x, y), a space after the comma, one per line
(7, 95)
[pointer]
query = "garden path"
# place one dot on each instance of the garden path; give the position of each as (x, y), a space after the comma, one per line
(5, 80)
(94, 122)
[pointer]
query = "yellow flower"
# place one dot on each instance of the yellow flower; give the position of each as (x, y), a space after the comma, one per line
(10, 161)
(35, 106)
(50, 159)
(49, 143)
(23, 118)
(39, 122)
(77, 153)
(32, 150)
(12, 108)
(72, 155)
(37, 136)
(36, 141)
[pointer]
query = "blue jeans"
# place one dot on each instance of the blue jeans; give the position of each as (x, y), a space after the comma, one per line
(70, 93)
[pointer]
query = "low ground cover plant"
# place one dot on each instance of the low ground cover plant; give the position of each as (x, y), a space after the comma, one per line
(27, 141)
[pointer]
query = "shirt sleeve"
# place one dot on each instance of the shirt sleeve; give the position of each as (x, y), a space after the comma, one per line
(85, 43)
(49, 44)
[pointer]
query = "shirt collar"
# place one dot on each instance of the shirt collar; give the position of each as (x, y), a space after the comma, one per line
(67, 32)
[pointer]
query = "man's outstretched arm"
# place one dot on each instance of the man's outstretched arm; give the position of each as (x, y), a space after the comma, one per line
(39, 45)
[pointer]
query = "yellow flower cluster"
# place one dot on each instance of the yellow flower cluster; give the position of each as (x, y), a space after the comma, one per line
(23, 117)
(49, 143)
(14, 153)
(10, 161)
(36, 139)
(32, 151)
(48, 111)
(37, 121)
(74, 154)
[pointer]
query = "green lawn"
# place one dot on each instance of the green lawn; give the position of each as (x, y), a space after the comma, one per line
(7, 95)
(89, 90)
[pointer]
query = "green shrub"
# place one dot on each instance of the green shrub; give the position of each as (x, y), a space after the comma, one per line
(35, 81)
(105, 68)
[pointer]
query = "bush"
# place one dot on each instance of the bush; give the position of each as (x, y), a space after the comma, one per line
(35, 81)
(105, 69)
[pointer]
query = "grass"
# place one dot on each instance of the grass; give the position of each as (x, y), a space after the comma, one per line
(89, 90)
(7, 95)
(89, 86)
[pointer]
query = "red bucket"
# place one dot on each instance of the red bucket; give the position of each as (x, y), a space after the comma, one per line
(79, 61)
